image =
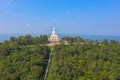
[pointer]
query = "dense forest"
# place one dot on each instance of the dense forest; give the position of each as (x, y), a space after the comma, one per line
(26, 58)
(89, 61)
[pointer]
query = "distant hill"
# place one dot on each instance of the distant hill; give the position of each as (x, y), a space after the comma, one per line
(4, 37)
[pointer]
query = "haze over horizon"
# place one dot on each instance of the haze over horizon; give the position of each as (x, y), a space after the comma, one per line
(89, 17)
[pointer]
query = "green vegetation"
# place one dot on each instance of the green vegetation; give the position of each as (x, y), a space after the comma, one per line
(26, 58)
(23, 58)
(73, 39)
(86, 62)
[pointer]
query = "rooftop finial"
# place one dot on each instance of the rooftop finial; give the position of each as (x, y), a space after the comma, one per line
(53, 32)
(53, 28)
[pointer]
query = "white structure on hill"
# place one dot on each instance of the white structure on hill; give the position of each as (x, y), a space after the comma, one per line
(54, 37)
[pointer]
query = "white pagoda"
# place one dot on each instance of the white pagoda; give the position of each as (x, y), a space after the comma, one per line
(54, 37)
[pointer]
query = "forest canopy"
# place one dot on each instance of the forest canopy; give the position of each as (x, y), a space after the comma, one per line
(26, 58)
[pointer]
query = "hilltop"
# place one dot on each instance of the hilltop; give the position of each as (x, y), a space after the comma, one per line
(26, 58)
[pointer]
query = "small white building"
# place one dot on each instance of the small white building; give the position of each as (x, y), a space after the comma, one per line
(54, 37)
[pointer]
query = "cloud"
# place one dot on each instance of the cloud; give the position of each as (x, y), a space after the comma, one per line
(7, 3)
(17, 14)
(11, 13)
(7, 7)
(27, 24)
(72, 11)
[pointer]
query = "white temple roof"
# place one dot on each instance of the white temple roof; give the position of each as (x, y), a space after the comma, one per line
(54, 36)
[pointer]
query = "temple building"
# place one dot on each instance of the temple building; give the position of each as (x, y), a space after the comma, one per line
(54, 39)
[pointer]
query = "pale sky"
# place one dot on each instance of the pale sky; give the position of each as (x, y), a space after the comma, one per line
(96, 17)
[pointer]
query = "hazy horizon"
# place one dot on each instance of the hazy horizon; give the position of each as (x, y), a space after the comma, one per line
(48, 34)
(7, 36)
